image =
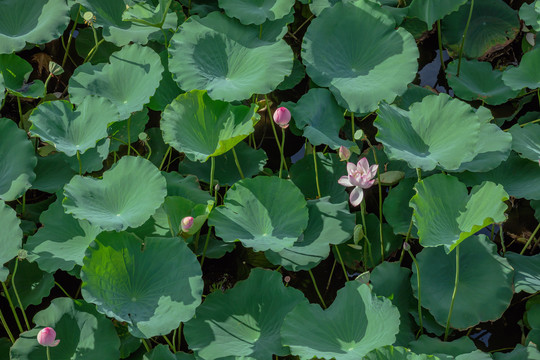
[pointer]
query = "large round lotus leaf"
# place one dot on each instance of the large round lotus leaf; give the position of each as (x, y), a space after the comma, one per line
(36, 22)
(526, 141)
(108, 15)
(479, 81)
(147, 288)
(72, 130)
(243, 322)
(201, 127)
(481, 295)
(17, 162)
(16, 72)
(218, 54)
(520, 352)
(430, 11)
(443, 200)
(396, 208)
(264, 213)
(527, 272)
(10, 237)
(356, 323)
(359, 73)
(167, 90)
(493, 25)
(226, 172)
(328, 224)
(320, 117)
(116, 202)
(32, 284)
(438, 131)
(84, 334)
(256, 11)
(62, 241)
(52, 173)
(429, 345)
(129, 79)
(162, 352)
(317, 6)
(530, 14)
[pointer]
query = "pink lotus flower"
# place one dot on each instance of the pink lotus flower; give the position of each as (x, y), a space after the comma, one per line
(282, 117)
(344, 153)
(361, 176)
(47, 336)
(186, 223)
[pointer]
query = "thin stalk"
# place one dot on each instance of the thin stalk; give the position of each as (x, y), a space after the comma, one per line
(24, 203)
(530, 239)
(63, 290)
(80, 163)
(238, 164)
(212, 169)
(440, 44)
(180, 336)
(421, 321)
(316, 288)
(149, 150)
(283, 148)
(71, 36)
(447, 328)
(125, 143)
(146, 346)
(260, 31)
(205, 246)
(21, 125)
(48, 352)
(352, 125)
(17, 294)
(406, 239)
(316, 172)
(65, 49)
(464, 36)
(164, 158)
(331, 274)
(129, 135)
(342, 263)
(502, 238)
(380, 199)
(170, 344)
(46, 84)
(93, 51)
(302, 25)
(275, 132)
(3, 319)
(6, 294)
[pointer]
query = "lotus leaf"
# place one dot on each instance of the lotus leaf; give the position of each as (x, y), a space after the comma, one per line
(16, 72)
(298, 73)
(493, 25)
(414, 93)
(167, 90)
(317, 6)
(396, 208)
(527, 272)
(177, 207)
(85, 43)
(526, 74)
(17, 162)
(32, 284)
(159, 148)
(526, 141)
(235, 324)
(218, 54)
(530, 14)
(443, 200)
(430, 11)
(215, 249)
(36, 22)
(137, 286)
(202, 128)
(118, 131)
(145, 13)
(328, 224)
(359, 74)
(396, 353)
(256, 11)
(520, 352)
(273, 30)
(114, 203)
(84, 334)
(62, 241)
(356, 323)
(92, 159)
(428, 345)
(480, 296)
(162, 352)
(10, 237)
(187, 187)
(252, 215)
(533, 319)
(52, 173)
(129, 79)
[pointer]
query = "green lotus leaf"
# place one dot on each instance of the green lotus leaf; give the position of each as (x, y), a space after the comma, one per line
(92, 159)
(430, 11)
(533, 319)
(129, 79)
(159, 148)
(493, 25)
(320, 117)
(328, 224)
(145, 13)
(167, 90)
(298, 73)
(226, 172)
(359, 74)
(70, 130)
(235, 324)
(396, 208)
(479, 81)
(36, 22)
(438, 131)
(480, 296)
(187, 187)
(85, 43)
(273, 30)
(52, 173)
(428, 345)
(526, 141)
(356, 323)
(443, 200)
(202, 128)
(177, 207)
(32, 284)
(137, 286)
(215, 248)
(118, 131)
(526, 74)
(527, 272)
(16, 72)
(530, 14)
(17, 162)
(520, 352)
(10, 237)
(258, 11)
(317, 6)
(162, 352)
(114, 203)
(251, 214)
(84, 334)
(62, 241)
(535, 204)
(220, 55)
(108, 15)
(2, 88)
(396, 353)
(414, 93)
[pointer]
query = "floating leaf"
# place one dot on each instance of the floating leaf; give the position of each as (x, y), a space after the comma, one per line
(114, 203)
(527, 272)
(526, 141)
(137, 286)
(526, 74)
(258, 11)
(10, 237)
(32, 284)
(430, 11)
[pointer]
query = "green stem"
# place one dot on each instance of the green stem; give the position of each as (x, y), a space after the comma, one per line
(48, 352)
(420, 317)
(342, 263)
(46, 84)
(164, 158)
(8, 297)
(17, 294)
(21, 125)
(260, 31)
(71, 36)
(205, 246)
(464, 36)
(125, 143)
(502, 237)
(316, 172)
(302, 25)
(440, 44)
(63, 290)
(170, 344)
(447, 328)
(406, 239)
(212, 169)
(80, 163)
(530, 239)
(3, 319)
(24, 204)
(275, 132)
(316, 288)
(380, 198)
(362, 213)
(352, 125)
(93, 51)
(237, 163)
(331, 274)
(129, 135)
(282, 147)
(180, 336)
(146, 346)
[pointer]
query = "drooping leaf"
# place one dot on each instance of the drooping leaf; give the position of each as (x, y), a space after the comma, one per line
(526, 141)
(16, 73)
(527, 272)
(10, 237)
(526, 74)
(256, 11)
(430, 11)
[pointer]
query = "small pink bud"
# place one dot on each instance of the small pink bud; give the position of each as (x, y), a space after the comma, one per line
(282, 117)
(46, 337)
(406, 246)
(187, 223)
(344, 153)
(287, 279)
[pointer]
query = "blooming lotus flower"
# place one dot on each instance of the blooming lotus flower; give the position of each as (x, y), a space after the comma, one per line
(186, 223)
(361, 176)
(344, 153)
(46, 337)
(282, 117)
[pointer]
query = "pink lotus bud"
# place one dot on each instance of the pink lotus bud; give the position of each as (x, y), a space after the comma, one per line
(186, 223)
(344, 153)
(282, 117)
(46, 337)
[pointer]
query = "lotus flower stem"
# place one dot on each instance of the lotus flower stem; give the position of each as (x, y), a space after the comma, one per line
(530, 239)
(3, 319)
(342, 263)
(170, 344)
(380, 198)
(48, 353)
(205, 246)
(440, 44)
(63, 290)
(331, 274)
(71, 36)
(146, 346)
(316, 172)
(501, 234)
(164, 158)
(362, 213)
(8, 297)
(21, 125)
(275, 132)
(282, 161)
(447, 328)
(316, 288)
(303, 24)
(80, 163)
(129, 135)
(352, 125)
(238, 164)
(17, 294)
(212, 169)
(464, 36)
(420, 317)
(406, 239)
